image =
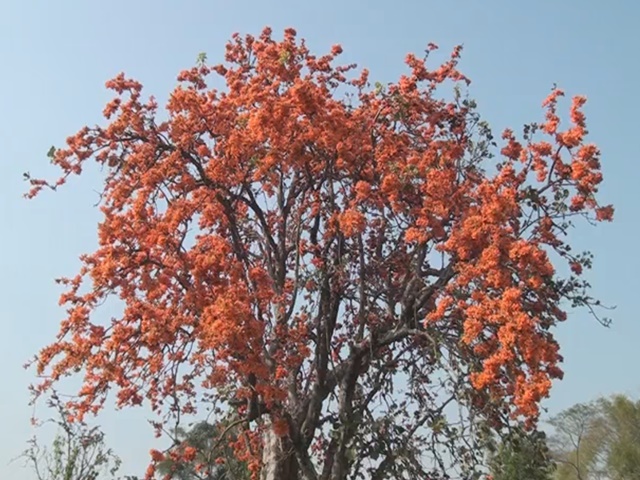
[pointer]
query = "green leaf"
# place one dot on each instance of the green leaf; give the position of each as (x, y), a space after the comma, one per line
(284, 57)
(202, 58)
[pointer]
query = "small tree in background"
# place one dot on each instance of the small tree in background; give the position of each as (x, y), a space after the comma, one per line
(599, 440)
(578, 443)
(522, 455)
(622, 417)
(78, 452)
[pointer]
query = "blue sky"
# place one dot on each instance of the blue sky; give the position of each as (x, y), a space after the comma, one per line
(56, 56)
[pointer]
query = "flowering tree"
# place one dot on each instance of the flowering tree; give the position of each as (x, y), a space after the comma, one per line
(340, 265)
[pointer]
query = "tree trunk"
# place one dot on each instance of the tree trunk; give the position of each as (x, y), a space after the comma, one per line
(278, 459)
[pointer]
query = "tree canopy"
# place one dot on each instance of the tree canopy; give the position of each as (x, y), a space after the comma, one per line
(598, 440)
(341, 266)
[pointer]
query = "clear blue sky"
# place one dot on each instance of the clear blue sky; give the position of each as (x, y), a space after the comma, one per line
(56, 56)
